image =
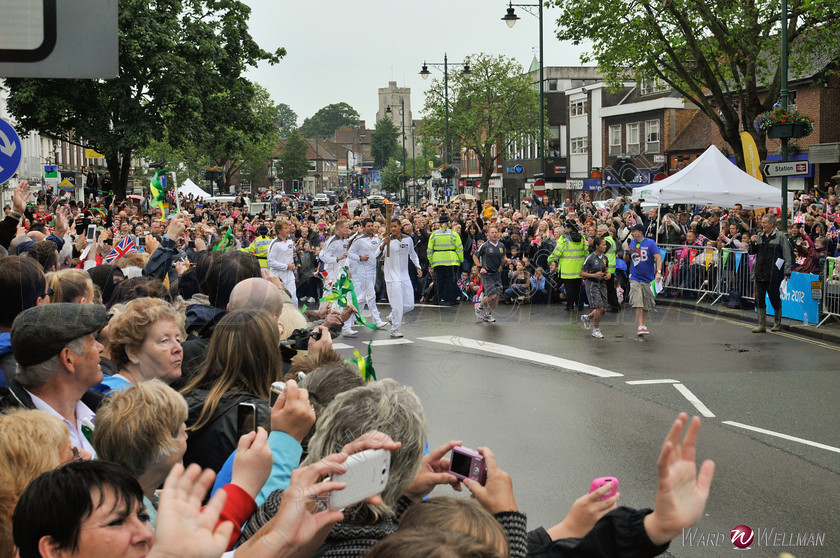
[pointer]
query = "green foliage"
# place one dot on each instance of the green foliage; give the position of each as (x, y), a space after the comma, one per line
(390, 176)
(383, 142)
(495, 104)
(294, 160)
(241, 129)
(174, 57)
(286, 118)
(327, 120)
(713, 52)
(187, 160)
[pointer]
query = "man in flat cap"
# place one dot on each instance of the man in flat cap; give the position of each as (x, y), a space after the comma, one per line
(57, 353)
(446, 253)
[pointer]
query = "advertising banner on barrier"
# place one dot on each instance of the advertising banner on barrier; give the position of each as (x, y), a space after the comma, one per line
(798, 301)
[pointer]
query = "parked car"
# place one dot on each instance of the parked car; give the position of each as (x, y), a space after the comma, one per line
(321, 199)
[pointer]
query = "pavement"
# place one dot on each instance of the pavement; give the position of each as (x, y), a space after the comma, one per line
(828, 332)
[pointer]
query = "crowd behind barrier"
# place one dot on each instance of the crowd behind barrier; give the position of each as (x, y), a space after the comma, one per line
(831, 290)
(207, 262)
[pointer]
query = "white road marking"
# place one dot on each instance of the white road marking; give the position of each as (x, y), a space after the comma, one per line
(376, 343)
(521, 354)
(646, 382)
(783, 436)
(694, 401)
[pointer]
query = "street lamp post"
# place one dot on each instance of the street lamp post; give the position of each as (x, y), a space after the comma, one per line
(784, 99)
(413, 167)
(425, 73)
(511, 18)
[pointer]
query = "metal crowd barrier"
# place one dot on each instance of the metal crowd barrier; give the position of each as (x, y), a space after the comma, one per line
(831, 290)
(691, 271)
(736, 274)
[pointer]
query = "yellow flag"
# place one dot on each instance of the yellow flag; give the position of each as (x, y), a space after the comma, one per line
(751, 160)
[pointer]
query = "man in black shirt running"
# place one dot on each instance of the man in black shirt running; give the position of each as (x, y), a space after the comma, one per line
(490, 258)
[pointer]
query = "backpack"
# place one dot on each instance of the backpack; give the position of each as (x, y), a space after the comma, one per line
(734, 300)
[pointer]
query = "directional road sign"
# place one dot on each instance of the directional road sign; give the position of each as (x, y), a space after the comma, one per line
(448, 191)
(9, 151)
(788, 168)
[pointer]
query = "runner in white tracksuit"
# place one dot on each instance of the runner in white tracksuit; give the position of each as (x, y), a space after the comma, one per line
(362, 260)
(334, 256)
(281, 257)
(397, 281)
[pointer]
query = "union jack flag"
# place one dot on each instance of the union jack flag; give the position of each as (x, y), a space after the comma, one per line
(126, 246)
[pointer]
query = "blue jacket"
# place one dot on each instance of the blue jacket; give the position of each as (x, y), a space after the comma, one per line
(7, 360)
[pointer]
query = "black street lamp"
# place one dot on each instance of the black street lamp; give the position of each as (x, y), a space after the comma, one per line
(425, 73)
(511, 18)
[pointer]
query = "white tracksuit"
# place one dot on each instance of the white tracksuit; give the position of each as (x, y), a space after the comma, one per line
(281, 253)
(397, 281)
(363, 273)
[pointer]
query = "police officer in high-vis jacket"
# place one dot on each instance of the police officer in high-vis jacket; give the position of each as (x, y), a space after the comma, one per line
(570, 254)
(259, 247)
(612, 250)
(446, 253)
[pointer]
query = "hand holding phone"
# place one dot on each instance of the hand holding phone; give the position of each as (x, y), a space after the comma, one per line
(366, 475)
(601, 481)
(246, 418)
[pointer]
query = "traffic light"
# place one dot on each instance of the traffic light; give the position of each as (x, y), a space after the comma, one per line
(295, 185)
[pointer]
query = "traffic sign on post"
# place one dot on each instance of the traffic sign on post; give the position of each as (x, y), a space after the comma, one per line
(539, 187)
(9, 151)
(787, 168)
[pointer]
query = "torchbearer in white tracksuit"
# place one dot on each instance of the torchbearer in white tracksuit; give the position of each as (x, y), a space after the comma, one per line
(281, 257)
(361, 256)
(334, 256)
(397, 281)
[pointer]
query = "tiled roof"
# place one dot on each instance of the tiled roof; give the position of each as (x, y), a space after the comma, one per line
(695, 136)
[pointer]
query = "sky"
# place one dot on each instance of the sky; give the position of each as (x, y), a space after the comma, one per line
(345, 51)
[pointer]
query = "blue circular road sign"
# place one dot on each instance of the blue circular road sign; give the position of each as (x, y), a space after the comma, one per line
(517, 169)
(9, 151)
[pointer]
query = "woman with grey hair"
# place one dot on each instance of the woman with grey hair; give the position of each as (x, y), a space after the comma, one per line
(384, 406)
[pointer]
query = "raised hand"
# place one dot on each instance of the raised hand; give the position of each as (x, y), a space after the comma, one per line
(497, 493)
(292, 412)
(681, 492)
(183, 528)
(433, 471)
(585, 513)
(253, 462)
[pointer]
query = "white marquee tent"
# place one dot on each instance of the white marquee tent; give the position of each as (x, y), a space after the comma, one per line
(711, 179)
(188, 187)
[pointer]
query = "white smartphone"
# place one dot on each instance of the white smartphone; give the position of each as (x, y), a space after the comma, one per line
(366, 476)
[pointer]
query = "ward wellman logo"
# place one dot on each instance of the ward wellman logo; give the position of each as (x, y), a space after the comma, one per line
(742, 536)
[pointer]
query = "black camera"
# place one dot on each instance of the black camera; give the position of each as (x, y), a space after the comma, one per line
(299, 339)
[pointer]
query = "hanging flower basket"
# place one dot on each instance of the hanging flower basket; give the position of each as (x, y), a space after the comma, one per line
(781, 123)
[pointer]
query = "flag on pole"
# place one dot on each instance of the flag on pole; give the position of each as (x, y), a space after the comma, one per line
(126, 246)
(157, 188)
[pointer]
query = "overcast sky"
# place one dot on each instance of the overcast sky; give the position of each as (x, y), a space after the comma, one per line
(345, 51)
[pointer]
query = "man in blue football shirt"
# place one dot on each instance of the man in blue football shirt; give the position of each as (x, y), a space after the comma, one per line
(645, 266)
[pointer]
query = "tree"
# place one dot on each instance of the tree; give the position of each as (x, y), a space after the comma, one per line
(173, 56)
(493, 106)
(241, 129)
(327, 120)
(390, 176)
(383, 142)
(294, 160)
(713, 53)
(188, 160)
(286, 118)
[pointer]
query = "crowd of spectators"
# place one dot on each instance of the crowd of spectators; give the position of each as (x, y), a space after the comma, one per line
(142, 358)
